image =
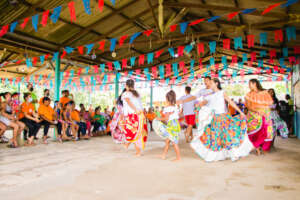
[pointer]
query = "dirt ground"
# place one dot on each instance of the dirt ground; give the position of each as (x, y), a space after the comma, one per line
(98, 169)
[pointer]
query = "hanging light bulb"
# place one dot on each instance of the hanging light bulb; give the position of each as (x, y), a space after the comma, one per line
(113, 54)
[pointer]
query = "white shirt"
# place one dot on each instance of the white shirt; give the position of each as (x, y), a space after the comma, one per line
(134, 100)
(172, 109)
(188, 107)
(216, 102)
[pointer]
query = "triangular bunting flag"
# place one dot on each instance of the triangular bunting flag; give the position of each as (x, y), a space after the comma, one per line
(232, 15)
(122, 39)
(100, 5)
(35, 21)
(101, 45)
(196, 22)
(13, 27)
(134, 36)
(45, 17)
(24, 22)
(271, 7)
(87, 6)
(72, 11)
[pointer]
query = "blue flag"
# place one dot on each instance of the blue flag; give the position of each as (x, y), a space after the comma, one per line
(87, 6)
(56, 13)
(13, 26)
(35, 21)
(212, 46)
(134, 36)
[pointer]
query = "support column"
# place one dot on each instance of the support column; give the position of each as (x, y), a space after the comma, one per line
(117, 86)
(287, 87)
(57, 79)
(19, 88)
(151, 96)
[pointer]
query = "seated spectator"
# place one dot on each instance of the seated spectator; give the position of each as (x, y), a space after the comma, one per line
(2, 130)
(46, 94)
(47, 115)
(30, 118)
(241, 105)
(69, 121)
(61, 124)
(65, 97)
(99, 122)
(9, 119)
(80, 122)
(85, 115)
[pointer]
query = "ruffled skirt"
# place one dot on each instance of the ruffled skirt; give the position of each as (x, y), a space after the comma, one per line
(135, 129)
(279, 125)
(169, 131)
(221, 136)
(117, 133)
(260, 129)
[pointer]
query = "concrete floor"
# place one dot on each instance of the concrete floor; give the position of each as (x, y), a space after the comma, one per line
(99, 169)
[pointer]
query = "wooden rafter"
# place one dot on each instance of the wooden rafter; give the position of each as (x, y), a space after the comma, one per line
(154, 17)
(209, 7)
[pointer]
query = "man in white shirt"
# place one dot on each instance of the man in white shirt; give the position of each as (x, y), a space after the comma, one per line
(189, 114)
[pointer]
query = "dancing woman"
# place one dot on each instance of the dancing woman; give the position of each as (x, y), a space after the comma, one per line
(278, 124)
(221, 136)
(117, 133)
(134, 122)
(259, 122)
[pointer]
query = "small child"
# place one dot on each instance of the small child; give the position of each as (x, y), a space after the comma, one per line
(99, 122)
(168, 126)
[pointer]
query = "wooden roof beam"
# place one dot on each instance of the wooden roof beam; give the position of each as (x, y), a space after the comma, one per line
(154, 17)
(202, 6)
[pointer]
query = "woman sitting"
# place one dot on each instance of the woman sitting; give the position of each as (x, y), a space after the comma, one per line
(30, 118)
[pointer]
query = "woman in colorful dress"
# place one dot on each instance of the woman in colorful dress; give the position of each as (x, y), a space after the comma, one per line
(134, 122)
(117, 133)
(259, 122)
(278, 124)
(220, 135)
(168, 126)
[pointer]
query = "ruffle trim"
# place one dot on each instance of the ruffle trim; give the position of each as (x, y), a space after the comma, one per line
(234, 154)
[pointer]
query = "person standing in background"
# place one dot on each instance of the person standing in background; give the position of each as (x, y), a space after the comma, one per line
(189, 114)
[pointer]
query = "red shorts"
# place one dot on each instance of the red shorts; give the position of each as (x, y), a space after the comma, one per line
(190, 119)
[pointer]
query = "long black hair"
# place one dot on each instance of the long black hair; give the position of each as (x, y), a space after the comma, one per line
(217, 81)
(119, 100)
(257, 83)
(130, 85)
(273, 95)
(4, 94)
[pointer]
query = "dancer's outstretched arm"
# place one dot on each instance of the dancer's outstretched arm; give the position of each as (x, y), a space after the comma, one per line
(233, 105)
(192, 98)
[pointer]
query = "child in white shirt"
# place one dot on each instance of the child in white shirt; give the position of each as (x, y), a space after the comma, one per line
(168, 126)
